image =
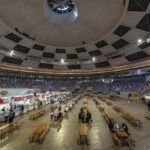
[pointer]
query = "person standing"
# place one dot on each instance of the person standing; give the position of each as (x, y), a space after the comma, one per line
(6, 116)
(22, 109)
(41, 104)
(11, 115)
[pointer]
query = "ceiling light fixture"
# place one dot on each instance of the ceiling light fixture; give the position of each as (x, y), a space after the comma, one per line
(139, 41)
(62, 61)
(11, 53)
(93, 59)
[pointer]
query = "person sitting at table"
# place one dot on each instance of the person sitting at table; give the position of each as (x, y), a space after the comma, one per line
(84, 117)
(70, 106)
(112, 127)
(59, 116)
(117, 126)
(96, 102)
(66, 108)
(125, 128)
(81, 110)
(89, 118)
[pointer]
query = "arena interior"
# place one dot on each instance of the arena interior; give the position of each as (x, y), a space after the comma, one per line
(75, 74)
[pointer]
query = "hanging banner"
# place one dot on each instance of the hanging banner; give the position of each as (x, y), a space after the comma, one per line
(1, 101)
(20, 98)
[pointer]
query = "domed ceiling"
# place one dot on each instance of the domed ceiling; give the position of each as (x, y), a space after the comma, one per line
(106, 35)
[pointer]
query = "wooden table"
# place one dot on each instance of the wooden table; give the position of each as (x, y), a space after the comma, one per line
(132, 118)
(83, 129)
(38, 130)
(117, 107)
(123, 134)
(85, 106)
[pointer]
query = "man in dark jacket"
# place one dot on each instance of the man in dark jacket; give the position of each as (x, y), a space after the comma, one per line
(11, 115)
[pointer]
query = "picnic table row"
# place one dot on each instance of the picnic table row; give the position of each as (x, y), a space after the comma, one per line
(130, 117)
(123, 135)
(7, 128)
(39, 133)
(83, 133)
(38, 113)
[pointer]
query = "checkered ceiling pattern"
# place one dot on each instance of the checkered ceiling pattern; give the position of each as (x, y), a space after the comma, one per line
(117, 49)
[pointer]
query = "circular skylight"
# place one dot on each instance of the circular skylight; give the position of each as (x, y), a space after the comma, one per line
(60, 11)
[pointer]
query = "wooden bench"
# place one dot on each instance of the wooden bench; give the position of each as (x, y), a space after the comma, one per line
(38, 134)
(53, 106)
(108, 116)
(38, 113)
(83, 136)
(85, 106)
(132, 141)
(117, 108)
(132, 119)
(8, 128)
(147, 115)
(115, 139)
(108, 102)
(103, 99)
(101, 107)
(41, 137)
(1, 120)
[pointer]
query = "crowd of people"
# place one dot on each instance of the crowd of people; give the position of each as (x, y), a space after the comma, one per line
(85, 116)
(131, 85)
(114, 127)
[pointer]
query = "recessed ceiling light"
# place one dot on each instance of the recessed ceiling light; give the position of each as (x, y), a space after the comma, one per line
(139, 41)
(11, 53)
(93, 59)
(62, 61)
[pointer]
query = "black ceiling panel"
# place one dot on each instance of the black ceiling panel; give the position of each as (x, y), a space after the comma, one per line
(116, 56)
(102, 64)
(95, 53)
(144, 45)
(12, 60)
(121, 30)
(137, 56)
(38, 47)
(21, 48)
(58, 50)
(101, 44)
(49, 55)
(80, 50)
(120, 44)
(13, 37)
(72, 56)
(138, 5)
(144, 24)
(46, 66)
(72, 67)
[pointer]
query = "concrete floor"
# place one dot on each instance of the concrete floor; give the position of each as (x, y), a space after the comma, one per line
(63, 136)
